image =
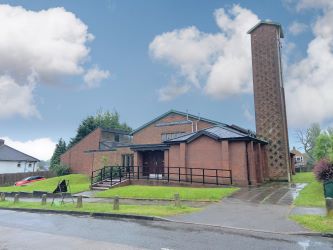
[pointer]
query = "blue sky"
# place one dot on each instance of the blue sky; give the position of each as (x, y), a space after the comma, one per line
(130, 56)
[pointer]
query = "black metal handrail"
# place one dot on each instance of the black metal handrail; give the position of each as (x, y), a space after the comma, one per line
(116, 174)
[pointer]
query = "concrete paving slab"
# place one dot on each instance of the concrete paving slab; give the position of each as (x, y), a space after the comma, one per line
(236, 213)
(308, 211)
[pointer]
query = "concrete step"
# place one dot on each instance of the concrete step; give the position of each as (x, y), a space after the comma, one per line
(100, 188)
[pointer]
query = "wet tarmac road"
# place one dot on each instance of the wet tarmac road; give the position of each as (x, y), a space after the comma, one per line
(20, 230)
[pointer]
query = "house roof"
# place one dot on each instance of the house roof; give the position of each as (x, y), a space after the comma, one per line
(296, 152)
(115, 131)
(267, 22)
(217, 133)
(178, 113)
(10, 154)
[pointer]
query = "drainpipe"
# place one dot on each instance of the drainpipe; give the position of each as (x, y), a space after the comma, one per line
(190, 121)
(196, 124)
(247, 164)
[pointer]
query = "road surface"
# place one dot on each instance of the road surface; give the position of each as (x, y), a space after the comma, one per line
(21, 230)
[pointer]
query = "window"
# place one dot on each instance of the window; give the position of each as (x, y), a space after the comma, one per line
(127, 160)
(299, 159)
(116, 138)
(170, 136)
(19, 164)
(30, 165)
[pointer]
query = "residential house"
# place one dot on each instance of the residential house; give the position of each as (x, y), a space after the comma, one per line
(300, 160)
(14, 161)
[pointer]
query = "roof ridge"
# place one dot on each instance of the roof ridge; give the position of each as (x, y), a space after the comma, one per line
(179, 113)
(236, 131)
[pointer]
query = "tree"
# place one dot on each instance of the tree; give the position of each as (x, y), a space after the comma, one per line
(308, 139)
(58, 151)
(102, 119)
(330, 131)
(324, 147)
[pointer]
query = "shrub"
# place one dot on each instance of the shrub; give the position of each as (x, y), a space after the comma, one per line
(60, 170)
(323, 170)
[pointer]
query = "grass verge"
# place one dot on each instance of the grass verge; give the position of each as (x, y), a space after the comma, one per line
(148, 210)
(78, 183)
(158, 192)
(315, 223)
(305, 177)
(313, 194)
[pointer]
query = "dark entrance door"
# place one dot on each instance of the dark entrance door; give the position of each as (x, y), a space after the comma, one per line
(153, 162)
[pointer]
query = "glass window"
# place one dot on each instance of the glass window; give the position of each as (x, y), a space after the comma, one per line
(170, 136)
(116, 138)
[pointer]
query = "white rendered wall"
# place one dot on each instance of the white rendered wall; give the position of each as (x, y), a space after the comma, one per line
(11, 167)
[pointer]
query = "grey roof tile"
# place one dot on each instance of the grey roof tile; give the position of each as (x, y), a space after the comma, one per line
(10, 154)
(218, 132)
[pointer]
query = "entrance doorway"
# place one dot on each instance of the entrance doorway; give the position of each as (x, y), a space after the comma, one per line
(153, 163)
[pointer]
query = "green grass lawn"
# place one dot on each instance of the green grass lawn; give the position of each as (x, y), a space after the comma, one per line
(315, 222)
(305, 177)
(313, 194)
(78, 183)
(158, 192)
(148, 210)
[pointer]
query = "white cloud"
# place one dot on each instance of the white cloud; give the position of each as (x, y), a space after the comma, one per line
(94, 76)
(297, 28)
(309, 81)
(305, 4)
(172, 90)
(16, 99)
(41, 47)
(41, 148)
(250, 117)
(208, 60)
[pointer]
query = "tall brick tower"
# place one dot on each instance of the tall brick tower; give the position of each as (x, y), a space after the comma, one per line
(269, 100)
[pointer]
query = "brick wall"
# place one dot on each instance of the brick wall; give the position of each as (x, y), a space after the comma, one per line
(114, 158)
(152, 134)
(208, 153)
(77, 159)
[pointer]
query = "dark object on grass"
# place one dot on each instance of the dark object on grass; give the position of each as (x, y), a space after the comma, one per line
(62, 190)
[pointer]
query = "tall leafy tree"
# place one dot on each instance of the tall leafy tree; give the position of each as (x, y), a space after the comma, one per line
(308, 139)
(103, 119)
(58, 151)
(324, 147)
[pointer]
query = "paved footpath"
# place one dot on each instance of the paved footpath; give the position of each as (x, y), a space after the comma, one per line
(258, 208)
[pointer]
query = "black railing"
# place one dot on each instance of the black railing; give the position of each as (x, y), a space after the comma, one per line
(110, 175)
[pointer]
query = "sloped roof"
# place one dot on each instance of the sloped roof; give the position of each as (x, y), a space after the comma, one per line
(10, 154)
(296, 152)
(217, 133)
(178, 113)
(267, 22)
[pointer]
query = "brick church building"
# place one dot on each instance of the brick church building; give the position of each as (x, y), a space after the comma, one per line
(189, 143)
